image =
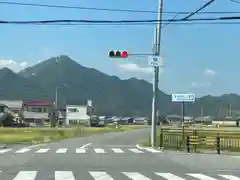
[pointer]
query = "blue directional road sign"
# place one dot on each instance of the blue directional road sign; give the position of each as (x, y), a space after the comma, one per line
(183, 97)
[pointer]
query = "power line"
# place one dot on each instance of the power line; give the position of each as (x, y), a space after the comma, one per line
(191, 14)
(199, 9)
(134, 24)
(108, 9)
(235, 1)
(119, 21)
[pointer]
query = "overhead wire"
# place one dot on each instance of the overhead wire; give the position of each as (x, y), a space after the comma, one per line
(134, 24)
(119, 21)
(199, 9)
(107, 9)
(235, 1)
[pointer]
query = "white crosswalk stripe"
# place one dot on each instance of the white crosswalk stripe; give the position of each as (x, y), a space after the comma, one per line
(135, 176)
(64, 175)
(117, 150)
(26, 175)
(61, 151)
(98, 175)
(201, 176)
(24, 150)
(136, 151)
(80, 150)
(229, 177)
(4, 150)
(99, 150)
(169, 176)
(102, 175)
(40, 151)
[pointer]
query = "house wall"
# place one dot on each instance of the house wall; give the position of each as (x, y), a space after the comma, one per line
(76, 113)
(38, 109)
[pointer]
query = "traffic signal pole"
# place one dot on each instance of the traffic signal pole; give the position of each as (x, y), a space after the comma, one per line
(156, 52)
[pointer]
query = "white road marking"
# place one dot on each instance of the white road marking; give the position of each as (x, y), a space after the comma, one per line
(4, 150)
(22, 150)
(99, 150)
(148, 149)
(201, 176)
(26, 175)
(80, 150)
(97, 175)
(86, 145)
(117, 150)
(36, 145)
(169, 176)
(153, 150)
(135, 176)
(229, 177)
(40, 151)
(136, 151)
(64, 175)
(61, 151)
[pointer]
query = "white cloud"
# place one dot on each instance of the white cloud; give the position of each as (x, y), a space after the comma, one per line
(13, 65)
(201, 84)
(209, 72)
(131, 67)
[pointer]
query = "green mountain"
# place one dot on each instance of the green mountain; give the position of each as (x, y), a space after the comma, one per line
(110, 95)
(14, 87)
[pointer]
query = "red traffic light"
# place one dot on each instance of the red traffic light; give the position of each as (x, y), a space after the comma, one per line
(124, 54)
(118, 54)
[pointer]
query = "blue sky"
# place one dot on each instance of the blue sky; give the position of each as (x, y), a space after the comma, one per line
(200, 59)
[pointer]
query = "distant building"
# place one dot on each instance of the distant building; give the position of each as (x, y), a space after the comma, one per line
(76, 114)
(38, 106)
(14, 105)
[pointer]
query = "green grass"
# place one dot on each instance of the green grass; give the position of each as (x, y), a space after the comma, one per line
(40, 135)
(174, 139)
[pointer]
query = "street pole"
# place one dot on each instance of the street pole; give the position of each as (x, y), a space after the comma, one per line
(56, 97)
(156, 52)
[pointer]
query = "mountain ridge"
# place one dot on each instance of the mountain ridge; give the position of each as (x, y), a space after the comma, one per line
(110, 94)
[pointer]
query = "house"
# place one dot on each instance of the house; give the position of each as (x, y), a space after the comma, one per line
(37, 111)
(15, 106)
(140, 120)
(77, 114)
(38, 106)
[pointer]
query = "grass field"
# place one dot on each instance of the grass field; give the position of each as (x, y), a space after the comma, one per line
(200, 138)
(40, 135)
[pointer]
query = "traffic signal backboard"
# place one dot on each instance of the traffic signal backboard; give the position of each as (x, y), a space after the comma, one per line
(118, 54)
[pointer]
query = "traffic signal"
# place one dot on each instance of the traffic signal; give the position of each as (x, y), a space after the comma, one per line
(118, 54)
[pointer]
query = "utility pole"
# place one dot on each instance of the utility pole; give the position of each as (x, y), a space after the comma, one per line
(156, 52)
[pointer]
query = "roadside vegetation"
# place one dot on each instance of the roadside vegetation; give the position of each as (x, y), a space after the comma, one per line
(43, 135)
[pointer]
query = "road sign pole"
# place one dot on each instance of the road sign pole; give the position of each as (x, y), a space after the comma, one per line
(156, 52)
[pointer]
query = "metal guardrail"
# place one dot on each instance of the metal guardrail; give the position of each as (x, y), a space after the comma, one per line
(196, 140)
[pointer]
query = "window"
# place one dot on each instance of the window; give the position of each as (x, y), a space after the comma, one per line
(45, 110)
(72, 110)
(34, 109)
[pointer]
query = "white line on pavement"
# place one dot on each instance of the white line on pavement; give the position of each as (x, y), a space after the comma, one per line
(26, 175)
(135, 176)
(100, 175)
(42, 151)
(64, 175)
(169, 176)
(23, 150)
(117, 150)
(80, 150)
(61, 151)
(86, 145)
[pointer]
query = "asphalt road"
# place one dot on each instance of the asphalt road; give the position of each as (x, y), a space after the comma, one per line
(109, 157)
